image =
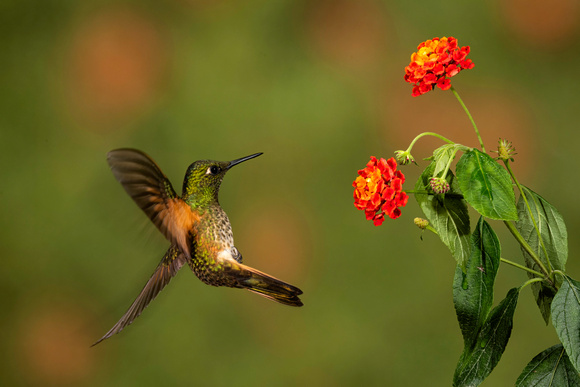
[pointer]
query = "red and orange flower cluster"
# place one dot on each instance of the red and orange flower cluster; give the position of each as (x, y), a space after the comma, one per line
(378, 190)
(436, 61)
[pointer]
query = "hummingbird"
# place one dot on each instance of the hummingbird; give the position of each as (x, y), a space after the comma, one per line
(196, 226)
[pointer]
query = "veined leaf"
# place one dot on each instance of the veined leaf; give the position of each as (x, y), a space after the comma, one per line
(473, 289)
(486, 186)
(443, 155)
(550, 368)
(477, 361)
(447, 213)
(554, 236)
(566, 318)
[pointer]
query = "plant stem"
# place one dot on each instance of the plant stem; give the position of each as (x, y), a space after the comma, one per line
(470, 117)
(527, 247)
(564, 277)
(428, 134)
(531, 281)
(522, 267)
(444, 174)
(431, 229)
(508, 167)
(425, 192)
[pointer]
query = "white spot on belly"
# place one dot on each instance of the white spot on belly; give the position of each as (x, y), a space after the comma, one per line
(225, 255)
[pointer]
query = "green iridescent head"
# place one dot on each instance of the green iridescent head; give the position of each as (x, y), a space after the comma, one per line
(204, 177)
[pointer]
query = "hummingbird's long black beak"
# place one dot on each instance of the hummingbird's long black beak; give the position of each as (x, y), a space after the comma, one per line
(237, 161)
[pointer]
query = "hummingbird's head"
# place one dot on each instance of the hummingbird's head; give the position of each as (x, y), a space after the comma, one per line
(203, 178)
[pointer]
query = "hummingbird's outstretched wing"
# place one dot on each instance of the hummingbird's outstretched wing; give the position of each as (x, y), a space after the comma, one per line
(172, 261)
(263, 284)
(154, 194)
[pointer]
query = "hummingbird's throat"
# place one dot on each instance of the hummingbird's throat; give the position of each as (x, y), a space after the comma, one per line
(201, 200)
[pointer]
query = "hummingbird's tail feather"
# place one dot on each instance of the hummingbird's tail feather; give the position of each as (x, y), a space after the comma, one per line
(265, 285)
(172, 261)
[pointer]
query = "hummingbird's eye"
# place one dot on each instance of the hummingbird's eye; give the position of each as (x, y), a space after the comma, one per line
(213, 170)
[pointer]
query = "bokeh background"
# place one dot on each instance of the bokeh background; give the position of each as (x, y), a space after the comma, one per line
(318, 87)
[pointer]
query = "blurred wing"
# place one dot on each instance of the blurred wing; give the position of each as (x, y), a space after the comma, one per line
(153, 193)
(169, 266)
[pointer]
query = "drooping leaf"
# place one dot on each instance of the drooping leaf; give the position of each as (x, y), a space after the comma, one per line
(550, 368)
(473, 289)
(566, 318)
(478, 360)
(554, 237)
(447, 213)
(487, 186)
(443, 155)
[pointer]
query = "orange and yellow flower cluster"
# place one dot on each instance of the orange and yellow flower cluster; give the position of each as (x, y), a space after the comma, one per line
(378, 190)
(436, 61)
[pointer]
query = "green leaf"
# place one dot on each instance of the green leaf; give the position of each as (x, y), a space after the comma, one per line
(550, 368)
(566, 318)
(555, 238)
(478, 360)
(443, 155)
(446, 213)
(473, 289)
(486, 186)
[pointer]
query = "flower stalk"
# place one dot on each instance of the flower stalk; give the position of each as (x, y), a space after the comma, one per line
(522, 193)
(456, 94)
(522, 267)
(528, 249)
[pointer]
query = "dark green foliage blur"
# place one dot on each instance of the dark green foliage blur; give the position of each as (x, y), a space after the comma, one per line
(318, 87)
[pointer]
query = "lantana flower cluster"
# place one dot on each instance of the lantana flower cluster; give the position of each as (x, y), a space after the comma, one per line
(379, 190)
(435, 61)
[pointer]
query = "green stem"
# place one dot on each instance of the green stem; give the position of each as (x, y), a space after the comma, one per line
(444, 175)
(470, 117)
(531, 281)
(564, 277)
(424, 192)
(540, 239)
(428, 134)
(431, 229)
(522, 267)
(527, 247)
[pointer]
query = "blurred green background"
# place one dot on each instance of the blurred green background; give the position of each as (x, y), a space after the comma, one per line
(318, 87)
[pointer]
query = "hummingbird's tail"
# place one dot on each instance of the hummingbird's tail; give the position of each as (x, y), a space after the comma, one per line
(265, 285)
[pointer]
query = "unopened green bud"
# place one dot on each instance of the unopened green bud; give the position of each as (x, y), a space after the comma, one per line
(404, 157)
